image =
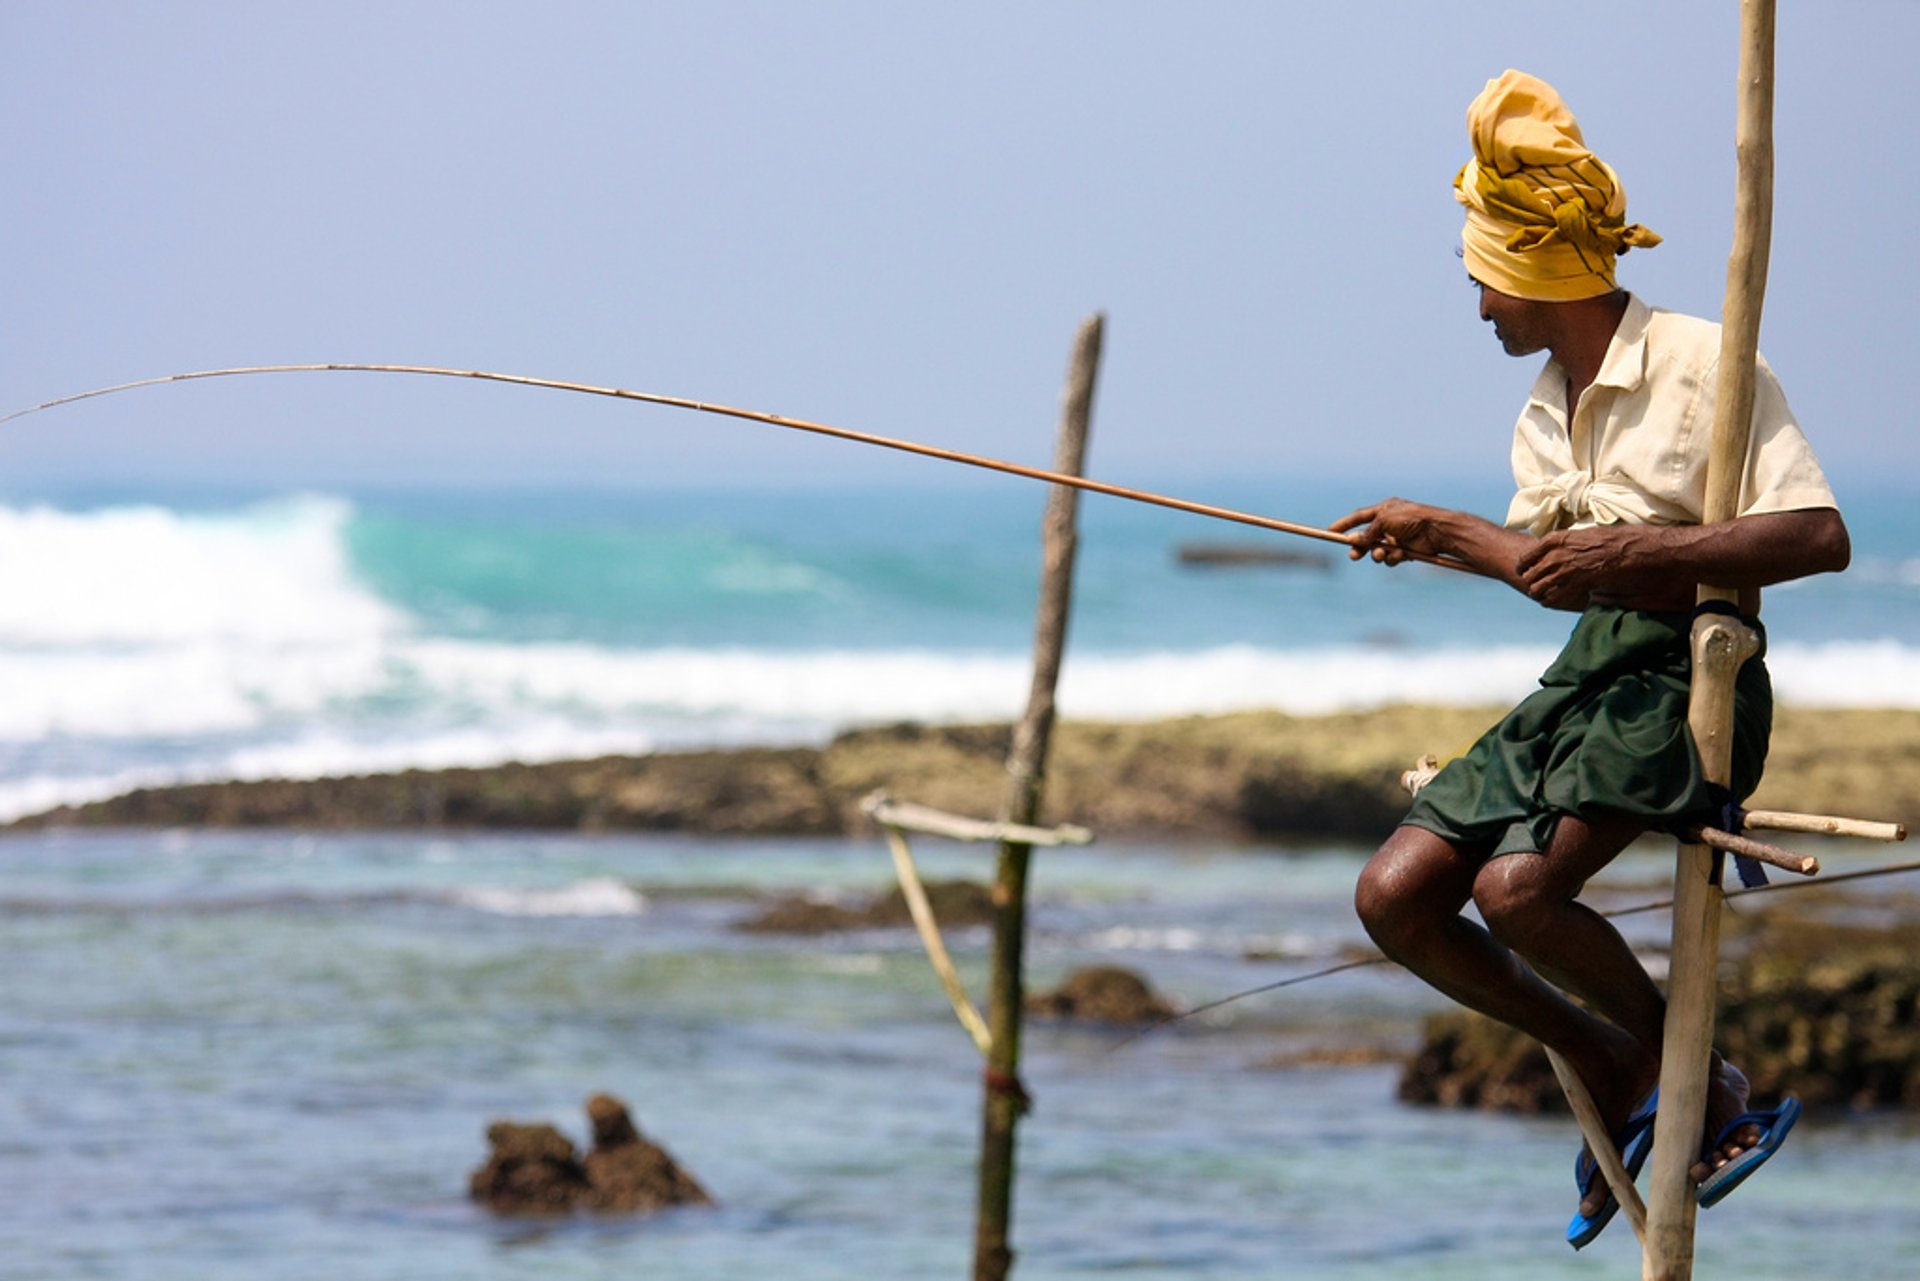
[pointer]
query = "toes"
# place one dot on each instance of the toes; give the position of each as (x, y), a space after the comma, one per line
(1725, 1153)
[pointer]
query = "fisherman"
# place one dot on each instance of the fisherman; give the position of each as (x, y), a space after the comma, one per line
(1610, 460)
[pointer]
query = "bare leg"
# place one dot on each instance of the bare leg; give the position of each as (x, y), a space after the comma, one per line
(1409, 898)
(1528, 901)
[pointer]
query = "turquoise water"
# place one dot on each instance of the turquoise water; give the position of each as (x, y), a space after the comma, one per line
(234, 1055)
(274, 1054)
(159, 638)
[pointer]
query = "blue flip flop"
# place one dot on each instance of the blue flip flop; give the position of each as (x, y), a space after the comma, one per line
(1775, 1122)
(1635, 1141)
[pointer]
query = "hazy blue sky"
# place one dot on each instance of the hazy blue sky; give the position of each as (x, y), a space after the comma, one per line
(889, 216)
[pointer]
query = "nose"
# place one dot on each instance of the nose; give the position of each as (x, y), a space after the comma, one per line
(1483, 304)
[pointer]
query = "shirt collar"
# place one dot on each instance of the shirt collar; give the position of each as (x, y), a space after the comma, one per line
(1623, 367)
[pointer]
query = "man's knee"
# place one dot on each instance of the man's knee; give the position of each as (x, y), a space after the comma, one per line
(1516, 898)
(1406, 887)
(1377, 901)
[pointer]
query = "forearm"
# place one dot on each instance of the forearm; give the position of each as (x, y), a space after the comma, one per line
(1753, 551)
(1657, 567)
(1491, 549)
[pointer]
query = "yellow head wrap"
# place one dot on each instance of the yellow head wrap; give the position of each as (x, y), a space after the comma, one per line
(1545, 217)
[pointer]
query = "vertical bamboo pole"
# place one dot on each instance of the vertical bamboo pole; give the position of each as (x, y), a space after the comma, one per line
(1005, 1101)
(1719, 647)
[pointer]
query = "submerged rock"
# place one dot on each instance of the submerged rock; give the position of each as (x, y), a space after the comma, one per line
(534, 1169)
(531, 1169)
(627, 1173)
(955, 904)
(1102, 994)
(1468, 1061)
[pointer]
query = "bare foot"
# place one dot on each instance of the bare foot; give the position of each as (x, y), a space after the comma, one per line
(1727, 1095)
(1624, 1091)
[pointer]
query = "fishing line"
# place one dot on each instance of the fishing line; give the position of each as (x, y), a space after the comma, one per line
(1377, 959)
(777, 420)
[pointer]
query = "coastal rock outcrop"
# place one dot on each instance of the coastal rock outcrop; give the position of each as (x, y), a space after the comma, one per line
(535, 1169)
(1247, 775)
(530, 1169)
(1102, 994)
(1830, 1012)
(955, 904)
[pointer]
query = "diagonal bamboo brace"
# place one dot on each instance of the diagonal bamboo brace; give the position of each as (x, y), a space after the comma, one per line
(1600, 1143)
(898, 817)
(915, 893)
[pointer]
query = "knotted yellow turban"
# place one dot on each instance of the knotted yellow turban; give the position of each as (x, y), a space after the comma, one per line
(1545, 217)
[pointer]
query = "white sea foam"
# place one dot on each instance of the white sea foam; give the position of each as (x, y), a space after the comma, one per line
(1873, 673)
(321, 753)
(203, 713)
(273, 573)
(599, 896)
(141, 646)
(37, 792)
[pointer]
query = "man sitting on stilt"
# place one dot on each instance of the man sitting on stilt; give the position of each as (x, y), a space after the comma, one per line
(1610, 459)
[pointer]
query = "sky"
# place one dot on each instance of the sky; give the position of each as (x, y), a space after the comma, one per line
(890, 217)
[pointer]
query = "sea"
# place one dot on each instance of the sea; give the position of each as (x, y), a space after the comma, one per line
(275, 1053)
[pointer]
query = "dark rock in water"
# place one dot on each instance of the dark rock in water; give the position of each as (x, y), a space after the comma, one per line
(612, 1124)
(955, 904)
(534, 1169)
(1468, 1061)
(1102, 994)
(1828, 1012)
(628, 1174)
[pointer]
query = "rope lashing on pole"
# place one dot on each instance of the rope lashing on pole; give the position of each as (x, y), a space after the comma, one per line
(1209, 510)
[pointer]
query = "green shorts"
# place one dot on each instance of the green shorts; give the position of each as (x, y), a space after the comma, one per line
(1604, 735)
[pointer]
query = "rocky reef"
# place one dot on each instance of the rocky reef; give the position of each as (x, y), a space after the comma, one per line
(1104, 994)
(1251, 775)
(955, 904)
(1824, 1009)
(535, 1169)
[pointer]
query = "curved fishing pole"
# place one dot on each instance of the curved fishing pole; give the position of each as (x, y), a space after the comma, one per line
(776, 420)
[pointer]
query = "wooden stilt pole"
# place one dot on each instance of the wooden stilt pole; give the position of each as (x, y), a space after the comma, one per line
(1720, 646)
(1005, 1100)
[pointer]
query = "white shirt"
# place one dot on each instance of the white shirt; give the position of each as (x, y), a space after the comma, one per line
(1636, 451)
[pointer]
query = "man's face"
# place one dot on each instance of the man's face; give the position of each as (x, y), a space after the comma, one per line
(1519, 323)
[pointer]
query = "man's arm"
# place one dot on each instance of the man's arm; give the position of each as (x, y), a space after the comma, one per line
(1652, 567)
(1658, 566)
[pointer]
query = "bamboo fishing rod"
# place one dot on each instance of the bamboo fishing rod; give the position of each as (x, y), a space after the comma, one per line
(1209, 510)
